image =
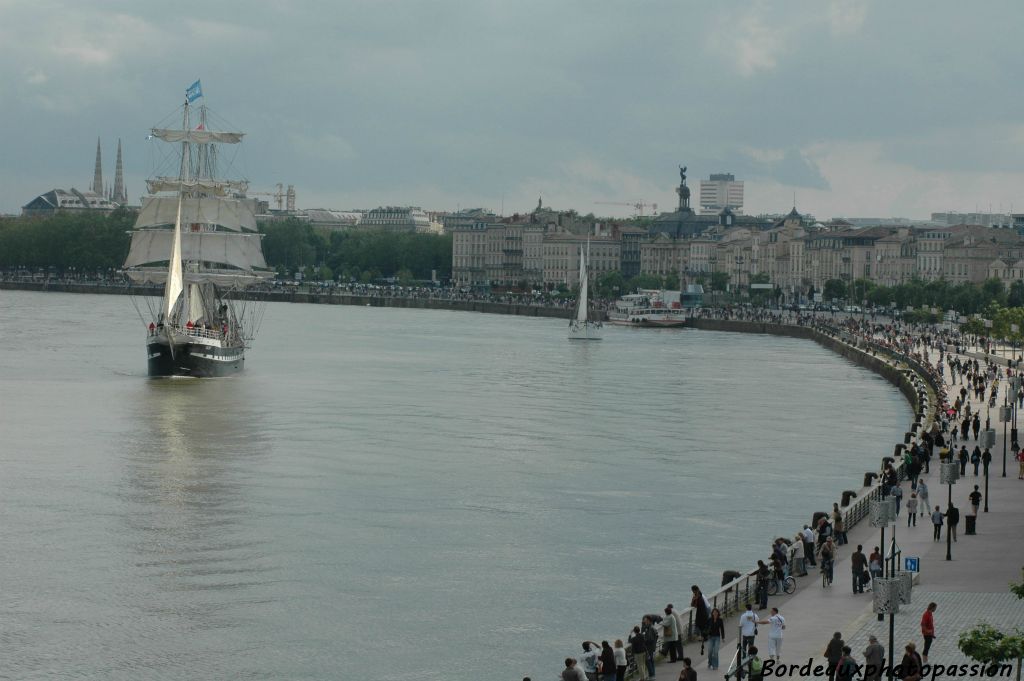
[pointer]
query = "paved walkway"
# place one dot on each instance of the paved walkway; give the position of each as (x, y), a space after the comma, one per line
(972, 587)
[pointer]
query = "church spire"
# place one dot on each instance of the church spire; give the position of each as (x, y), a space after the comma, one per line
(119, 195)
(97, 177)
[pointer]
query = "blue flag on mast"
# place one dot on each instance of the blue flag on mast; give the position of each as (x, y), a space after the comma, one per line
(194, 92)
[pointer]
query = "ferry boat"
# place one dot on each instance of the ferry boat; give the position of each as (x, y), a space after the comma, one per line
(651, 308)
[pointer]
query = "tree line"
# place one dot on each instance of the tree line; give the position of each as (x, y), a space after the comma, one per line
(93, 242)
(965, 298)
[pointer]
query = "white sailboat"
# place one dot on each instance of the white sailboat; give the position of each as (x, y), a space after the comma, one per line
(580, 326)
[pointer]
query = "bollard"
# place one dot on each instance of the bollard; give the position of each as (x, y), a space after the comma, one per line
(728, 576)
(906, 437)
(847, 495)
(869, 478)
(818, 515)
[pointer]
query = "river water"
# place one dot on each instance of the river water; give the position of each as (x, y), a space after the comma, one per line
(394, 494)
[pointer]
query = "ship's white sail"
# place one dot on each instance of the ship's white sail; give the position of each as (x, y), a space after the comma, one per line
(197, 136)
(237, 250)
(230, 214)
(205, 185)
(174, 286)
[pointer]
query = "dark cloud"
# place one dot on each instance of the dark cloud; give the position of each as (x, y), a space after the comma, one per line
(457, 102)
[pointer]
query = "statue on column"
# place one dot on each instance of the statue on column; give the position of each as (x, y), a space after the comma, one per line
(683, 191)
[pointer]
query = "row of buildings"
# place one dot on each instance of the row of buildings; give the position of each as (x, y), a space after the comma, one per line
(798, 254)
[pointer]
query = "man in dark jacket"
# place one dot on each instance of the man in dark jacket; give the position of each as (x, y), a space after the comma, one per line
(858, 564)
(952, 520)
(834, 653)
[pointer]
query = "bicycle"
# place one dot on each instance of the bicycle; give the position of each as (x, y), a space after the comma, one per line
(788, 585)
(826, 573)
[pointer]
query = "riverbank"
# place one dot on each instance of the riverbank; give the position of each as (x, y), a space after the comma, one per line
(919, 387)
(315, 298)
(969, 588)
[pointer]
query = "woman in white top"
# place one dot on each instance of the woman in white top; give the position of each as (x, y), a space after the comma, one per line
(620, 660)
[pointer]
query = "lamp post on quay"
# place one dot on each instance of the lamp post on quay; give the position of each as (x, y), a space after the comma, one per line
(949, 473)
(883, 512)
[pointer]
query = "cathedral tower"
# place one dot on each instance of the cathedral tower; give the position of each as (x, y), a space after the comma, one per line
(97, 177)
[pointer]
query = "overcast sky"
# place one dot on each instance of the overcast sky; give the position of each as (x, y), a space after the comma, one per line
(859, 108)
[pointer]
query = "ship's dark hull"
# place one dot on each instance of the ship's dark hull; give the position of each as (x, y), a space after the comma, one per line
(193, 359)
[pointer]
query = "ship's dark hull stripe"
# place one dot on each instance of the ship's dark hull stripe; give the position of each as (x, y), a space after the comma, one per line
(202, 361)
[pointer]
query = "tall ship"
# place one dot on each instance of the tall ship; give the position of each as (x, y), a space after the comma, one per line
(196, 235)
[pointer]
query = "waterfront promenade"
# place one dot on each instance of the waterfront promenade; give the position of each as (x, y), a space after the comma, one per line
(971, 588)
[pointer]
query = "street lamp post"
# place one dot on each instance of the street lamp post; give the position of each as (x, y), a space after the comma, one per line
(883, 512)
(949, 473)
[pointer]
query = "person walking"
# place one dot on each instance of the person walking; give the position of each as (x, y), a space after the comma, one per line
(976, 459)
(897, 494)
(650, 634)
(687, 673)
(670, 632)
(911, 664)
(638, 648)
(846, 669)
(928, 628)
(620, 660)
(975, 498)
(776, 624)
(874, 660)
(808, 539)
(702, 613)
(1019, 456)
(588, 660)
(986, 460)
(875, 563)
(912, 510)
(937, 524)
(837, 525)
(748, 628)
(964, 458)
(716, 632)
(858, 566)
(572, 672)
(834, 653)
(922, 495)
(952, 520)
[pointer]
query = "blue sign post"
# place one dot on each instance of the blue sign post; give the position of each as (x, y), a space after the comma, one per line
(912, 564)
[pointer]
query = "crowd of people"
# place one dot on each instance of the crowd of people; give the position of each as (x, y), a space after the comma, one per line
(966, 389)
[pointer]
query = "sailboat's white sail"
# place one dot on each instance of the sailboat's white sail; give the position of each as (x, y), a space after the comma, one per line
(581, 328)
(174, 286)
(581, 304)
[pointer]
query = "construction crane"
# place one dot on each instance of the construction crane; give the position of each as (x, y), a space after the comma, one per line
(637, 205)
(278, 196)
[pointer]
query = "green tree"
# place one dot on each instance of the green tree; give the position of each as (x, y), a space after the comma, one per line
(650, 281)
(992, 290)
(672, 282)
(1015, 296)
(610, 284)
(987, 644)
(719, 281)
(834, 289)
(326, 273)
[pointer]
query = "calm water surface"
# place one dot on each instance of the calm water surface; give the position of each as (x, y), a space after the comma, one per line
(394, 494)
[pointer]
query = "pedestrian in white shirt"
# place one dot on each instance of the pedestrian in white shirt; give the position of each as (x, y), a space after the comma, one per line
(776, 623)
(748, 627)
